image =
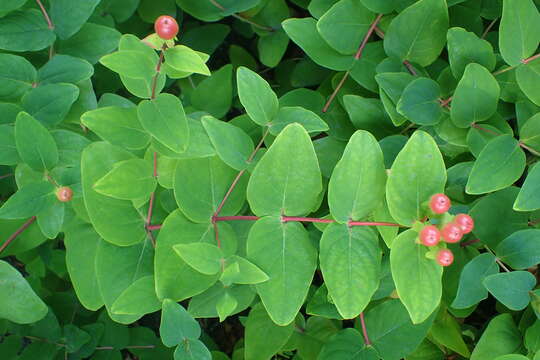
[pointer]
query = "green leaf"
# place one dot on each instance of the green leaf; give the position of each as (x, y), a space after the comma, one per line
(257, 97)
(204, 258)
(347, 344)
(116, 221)
(392, 86)
(498, 166)
(75, 338)
(128, 180)
(35, 144)
(177, 325)
(369, 114)
(139, 298)
(68, 16)
(350, 261)
(364, 69)
(419, 102)
(17, 75)
(512, 357)
(356, 187)
(304, 33)
(182, 58)
(51, 219)
(447, 331)
(519, 31)
(272, 47)
(18, 302)
(464, 48)
(215, 93)
(208, 12)
(28, 201)
(528, 198)
(130, 63)
(527, 76)
(8, 147)
(417, 173)
(476, 96)
(296, 114)
(226, 306)
(248, 273)
(417, 278)
(264, 339)
(471, 289)
(10, 5)
(25, 30)
(417, 34)
(50, 103)
(191, 349)
(344, 25)
(117, 125)
(65, 69)
(204, 305)
(284, 252)
(529, 133)
(511, 288)
(521, 250)
(284, 181)
(232, 144)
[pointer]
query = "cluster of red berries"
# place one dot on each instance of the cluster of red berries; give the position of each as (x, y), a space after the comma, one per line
(450, 232)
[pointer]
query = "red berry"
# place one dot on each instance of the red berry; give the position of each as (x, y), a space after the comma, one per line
(452, 233)
(430, 235)
(465, 222)
(445, 257)
(64, 194)
(439, 203)
(166, 27)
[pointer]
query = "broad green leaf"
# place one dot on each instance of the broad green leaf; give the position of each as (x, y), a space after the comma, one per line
(199, 145)
(204, 305)
(380, 6)
(206, 11)
(50, 103)
(226, 306)
(344, 25)
(464, 48)
(215, 93)
(209, 178)
(68, 16)
(304, 33)
(272, 47)
(368, 114)
(128, 180)
(232, 144)
(177, 325)
(512, 357)
(427, 351)
(185, 59)
(418, 33)
(356, 187)
(476, 96)
(264, 338)
(419, 102)
(519, 31)
(202, 257)
(391, 86)
(81, 242)
(391, 331)
(8, 147)
(528, 198)
(284, 252)
(498, 166)
(17, 75)
(296, 114)
(117, 125)
(364, 69)
(51, 219)
(191, 349)
(417, 173)
(286, 182)
(18, 301)
(10, 5)
(350, 261)
(347, 344)
(27, 240)
(257, 97)
(511, 288)
(25, 30)
(35, 145)
(248, 273)
(417, 278)
(117, 268)
(529, 133)
(116, 221)
(138, 298)
(527, 76)
(65, 69)
(28, 201)
(131, 64)
(447, 331)
(471, 290)
(521, 250)
(75, 338)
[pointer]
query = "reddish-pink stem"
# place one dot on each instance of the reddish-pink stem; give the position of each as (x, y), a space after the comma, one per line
(532, 58)
(153, 227)
(534, 222)
(409, 67)
(364, 329)
(158, 69)
(470, 242)
(474, 125)
(233, 218)
(17, 233)
(45, 15)
(445, 103)
(306, 219)
(371, 223)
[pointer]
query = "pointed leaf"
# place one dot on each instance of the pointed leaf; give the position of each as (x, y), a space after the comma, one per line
(258, 98)
(177, 325)
(521, 250)
(296, 114)
(128, 180)
(527, 76)
(28, 201)
(35, 144)
(464, 48)
(185, 59)
(419, 102)
(139, 298)
(511, 288)
(205, 258)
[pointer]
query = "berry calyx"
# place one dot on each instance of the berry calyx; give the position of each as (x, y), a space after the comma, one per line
(452, 233)
(465, 222)
(430, 235)
(64, 194)
(445, 257)
(166, 27)
(439, 203)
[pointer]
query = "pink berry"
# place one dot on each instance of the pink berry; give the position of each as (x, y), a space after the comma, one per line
(64, 194)
(445, 257)
(439, 203)
(430, 235)
(452, 233)
(166, 27)
(465, 222)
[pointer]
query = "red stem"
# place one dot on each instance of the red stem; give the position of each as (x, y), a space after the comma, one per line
(232, 218)
(369, 223)
(532, 58)
(17, 233)
(306, 219)
(470, 242)
(407, 64)
(45, 15)
(158, 69)
(364, 330)
(5, 176)
(445, 103)
(473, 125)
(153, 227)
